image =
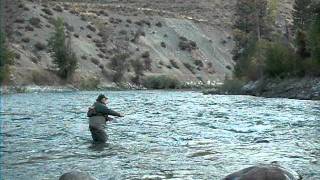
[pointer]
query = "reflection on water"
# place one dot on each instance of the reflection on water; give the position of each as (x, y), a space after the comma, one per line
(183, 135)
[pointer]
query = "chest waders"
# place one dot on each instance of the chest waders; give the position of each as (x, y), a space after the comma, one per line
(97, 125)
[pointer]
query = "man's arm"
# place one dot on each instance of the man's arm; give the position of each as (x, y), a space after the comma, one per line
(113, 113)
(106, 111)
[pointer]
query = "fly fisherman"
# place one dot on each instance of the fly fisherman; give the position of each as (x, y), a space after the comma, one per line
(98, 115)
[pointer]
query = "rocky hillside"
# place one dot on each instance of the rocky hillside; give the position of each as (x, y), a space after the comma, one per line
(191, 41)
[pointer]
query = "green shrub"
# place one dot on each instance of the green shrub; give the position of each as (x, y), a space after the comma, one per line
(311, 67)
(118, 61)
(138, 68)
(35, 59)
(47, 11)
(83, 17)
(174, 64)
(198, 63)
(118, 64)
(182, 38)
(40, 46)
(146, 54)
(159, 24)
(25, 39)
(147, 22)
(231, 86)
(39, 78)
(26, 9)
(123, 32)
(147, 64)
(117, 76)
(280, 61)
(58, 8)
(29, 28)
(161, 82)
(185, 44)
(34, 21)
(90, 83)
(139, 23)
(19, 20)
(91, 28)
(129, 21)
(95, 61)
(189, 67)
(4, 73)
(76, 35)
(163, 44)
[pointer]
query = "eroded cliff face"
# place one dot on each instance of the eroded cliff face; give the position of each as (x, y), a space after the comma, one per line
(188, 40)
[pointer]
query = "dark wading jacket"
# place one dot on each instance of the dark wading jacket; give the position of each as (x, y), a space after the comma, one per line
(98, 114)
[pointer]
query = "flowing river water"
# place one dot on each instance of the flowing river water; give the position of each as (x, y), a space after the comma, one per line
(164, 135)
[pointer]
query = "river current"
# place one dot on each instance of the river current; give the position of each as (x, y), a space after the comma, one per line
(164, 135)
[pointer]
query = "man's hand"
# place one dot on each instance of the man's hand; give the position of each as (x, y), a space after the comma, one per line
(109, 119)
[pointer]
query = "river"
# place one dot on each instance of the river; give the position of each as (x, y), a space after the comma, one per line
(164, 134)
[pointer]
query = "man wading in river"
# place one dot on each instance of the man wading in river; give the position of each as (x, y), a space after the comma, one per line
(98, 115)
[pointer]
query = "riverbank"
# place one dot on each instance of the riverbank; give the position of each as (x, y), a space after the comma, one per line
(57, 89)
(293, 88)
(70, 88)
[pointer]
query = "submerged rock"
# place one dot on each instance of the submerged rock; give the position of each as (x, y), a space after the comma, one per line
(76, 175)
(263, 172)
(260, 140)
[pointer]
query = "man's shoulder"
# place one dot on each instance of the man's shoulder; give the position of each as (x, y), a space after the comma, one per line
(98, 104)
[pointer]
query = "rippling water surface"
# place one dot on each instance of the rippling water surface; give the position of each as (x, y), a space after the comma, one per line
(182, 135)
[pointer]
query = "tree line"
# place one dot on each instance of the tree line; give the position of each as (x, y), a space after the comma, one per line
(261, 51)
(6, 55)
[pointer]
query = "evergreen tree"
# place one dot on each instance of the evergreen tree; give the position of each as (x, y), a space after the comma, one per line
(6, 55)
(2, 36)
(302, 14)
(6, 58)
(251, 25)
(301, 43)
(64, 57)
(314, 34)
